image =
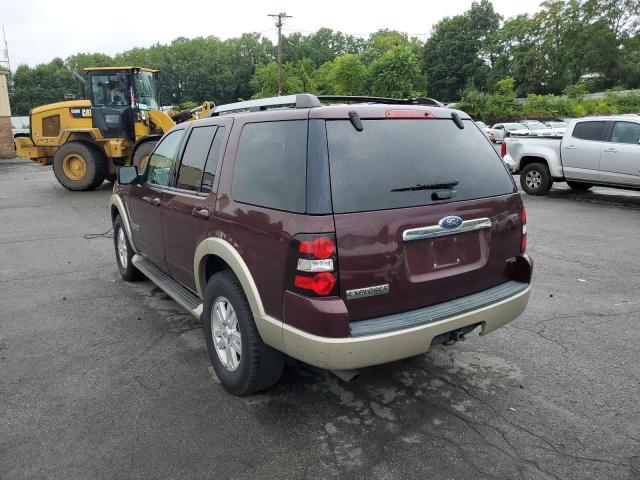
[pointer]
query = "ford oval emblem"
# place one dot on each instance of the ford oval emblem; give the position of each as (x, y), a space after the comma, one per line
(451, 222)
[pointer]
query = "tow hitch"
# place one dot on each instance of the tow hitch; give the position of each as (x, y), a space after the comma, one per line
(455, 337)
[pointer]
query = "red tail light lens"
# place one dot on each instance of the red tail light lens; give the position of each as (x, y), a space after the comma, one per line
(523, 221)
(312, 265)
(503, 149)
(322, 247)
(321, 283)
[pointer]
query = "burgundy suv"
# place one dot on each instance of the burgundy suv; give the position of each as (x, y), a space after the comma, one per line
(343, 235)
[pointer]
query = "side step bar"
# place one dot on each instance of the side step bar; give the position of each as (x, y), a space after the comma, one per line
(168, 285)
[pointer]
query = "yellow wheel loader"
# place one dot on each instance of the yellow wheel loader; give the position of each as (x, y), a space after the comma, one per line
(117, 123)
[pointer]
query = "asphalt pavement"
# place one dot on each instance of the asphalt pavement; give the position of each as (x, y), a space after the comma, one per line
(104, 379)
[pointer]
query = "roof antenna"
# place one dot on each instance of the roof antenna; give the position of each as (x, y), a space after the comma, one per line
(355, 121)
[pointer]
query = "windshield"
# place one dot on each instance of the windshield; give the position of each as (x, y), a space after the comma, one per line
(408, 163)
(536, 126)
(145, 88)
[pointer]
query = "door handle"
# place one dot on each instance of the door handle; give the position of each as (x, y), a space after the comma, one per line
(571, 147)
(610, 150)
(200, 212)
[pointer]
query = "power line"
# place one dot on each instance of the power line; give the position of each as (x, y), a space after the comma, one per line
(279, 18)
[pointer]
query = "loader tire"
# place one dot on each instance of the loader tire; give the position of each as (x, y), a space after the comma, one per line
(80, 166)
(141, 155)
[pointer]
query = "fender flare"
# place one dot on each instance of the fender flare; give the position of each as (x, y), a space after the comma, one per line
(270, 328)
(117, 202)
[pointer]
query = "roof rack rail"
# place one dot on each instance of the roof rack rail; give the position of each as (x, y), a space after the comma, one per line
(384, 100)
(301, 100)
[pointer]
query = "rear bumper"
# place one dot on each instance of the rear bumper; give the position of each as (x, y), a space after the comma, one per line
(362, 351)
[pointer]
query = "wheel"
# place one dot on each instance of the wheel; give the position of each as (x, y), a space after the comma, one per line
(111, 177)
(124, 252)
(141, 155)
(79, 166)
(582, 187)
(535, 179)
(243, 362)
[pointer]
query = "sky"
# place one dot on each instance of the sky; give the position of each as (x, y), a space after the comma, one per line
(39, 30)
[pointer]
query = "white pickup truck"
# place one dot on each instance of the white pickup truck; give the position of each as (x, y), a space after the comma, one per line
(593, 151)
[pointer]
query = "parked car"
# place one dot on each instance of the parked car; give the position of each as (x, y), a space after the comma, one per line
(20, 126)
(593, 151)
(340, 235)
(558, 128)
(501, 130)
(537, 129)
(485, 129)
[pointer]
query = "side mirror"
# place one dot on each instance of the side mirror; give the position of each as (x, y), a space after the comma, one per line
(128, 175)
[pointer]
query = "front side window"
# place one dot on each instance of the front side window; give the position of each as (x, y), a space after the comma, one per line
(271, 165)
(194, 158)
(109, 90)
(145, 88)
(161, 160)
(626, 132)
(589, 130)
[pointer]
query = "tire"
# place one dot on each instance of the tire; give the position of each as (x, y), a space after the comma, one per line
(581, 187)
(124, 252)
(111, 177)
(79, 166)
(141, 155)
(535, 179)
(258, 366)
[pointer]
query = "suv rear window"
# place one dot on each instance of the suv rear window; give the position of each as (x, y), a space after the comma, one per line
(271, 165)
(387, 155)
(589, 130)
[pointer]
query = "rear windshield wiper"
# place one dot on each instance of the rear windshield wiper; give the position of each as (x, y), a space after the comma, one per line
(427, 186)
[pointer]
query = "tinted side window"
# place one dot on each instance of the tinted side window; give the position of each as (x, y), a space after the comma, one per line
(212, 161)
(271, 168)
(589, 130)
(194, 158)
(626, 132)
(162, 159)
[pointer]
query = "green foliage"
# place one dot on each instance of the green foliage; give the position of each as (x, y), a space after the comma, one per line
(554, 57)
(46, 83)
(576, 91)
(396, 73)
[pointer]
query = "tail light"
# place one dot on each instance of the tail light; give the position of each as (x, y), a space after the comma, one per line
(313, 265)
(503, 149)
(523, 238)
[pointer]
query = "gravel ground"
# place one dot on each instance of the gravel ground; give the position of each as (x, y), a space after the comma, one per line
(103, 379)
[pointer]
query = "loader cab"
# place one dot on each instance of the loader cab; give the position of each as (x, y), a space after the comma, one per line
(120, 96)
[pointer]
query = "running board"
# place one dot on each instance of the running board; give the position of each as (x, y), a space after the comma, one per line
(168, 285)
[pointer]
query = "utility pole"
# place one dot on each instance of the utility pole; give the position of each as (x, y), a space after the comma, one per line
(279, 18)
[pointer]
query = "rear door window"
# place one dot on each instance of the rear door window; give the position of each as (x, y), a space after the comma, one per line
(194, 158)
(626, 132)
(589, 130)
(376, 168)
(270, 169)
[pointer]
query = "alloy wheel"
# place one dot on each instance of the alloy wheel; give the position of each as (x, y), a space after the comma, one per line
(225, 331)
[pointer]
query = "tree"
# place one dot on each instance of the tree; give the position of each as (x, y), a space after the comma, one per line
(346, 75)
(396, 73)
(45, 83)
(453, 55)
